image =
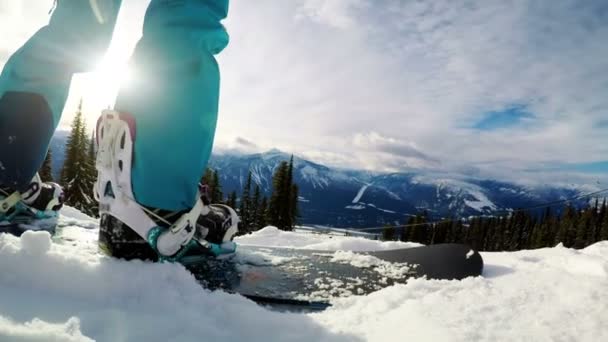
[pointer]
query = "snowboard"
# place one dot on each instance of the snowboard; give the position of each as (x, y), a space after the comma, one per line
(289, 279)
(20, 225)
(307, 280)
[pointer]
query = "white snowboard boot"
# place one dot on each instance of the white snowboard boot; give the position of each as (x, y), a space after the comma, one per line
(129, 230)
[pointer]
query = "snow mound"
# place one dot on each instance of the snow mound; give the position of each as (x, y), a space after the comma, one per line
(117, 300)
(67, 291)
(41, 331)
(273, 237)
(36, 242)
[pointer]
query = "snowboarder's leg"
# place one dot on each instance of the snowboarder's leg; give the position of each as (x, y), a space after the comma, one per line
(172, 106)
(35, 81)
(34, 86)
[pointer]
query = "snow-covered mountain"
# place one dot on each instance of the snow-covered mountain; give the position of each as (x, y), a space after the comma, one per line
(351, 198)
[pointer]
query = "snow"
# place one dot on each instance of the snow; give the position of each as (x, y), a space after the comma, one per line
(384, 268)
(477, 199)
(55, 291)
(312, 176)
(36, 242)
(355, 207)
(360, 193)
(273, 237)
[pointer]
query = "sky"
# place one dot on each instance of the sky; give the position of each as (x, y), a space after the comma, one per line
(513, 90)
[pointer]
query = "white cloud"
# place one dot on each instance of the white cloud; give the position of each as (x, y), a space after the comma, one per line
(406, 78)
(336, 13)
(420, 72)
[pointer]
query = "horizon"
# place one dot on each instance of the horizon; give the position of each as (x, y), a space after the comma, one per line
(507, 91)
(445, 175)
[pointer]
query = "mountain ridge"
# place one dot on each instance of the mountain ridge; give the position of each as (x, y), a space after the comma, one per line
(361, 198)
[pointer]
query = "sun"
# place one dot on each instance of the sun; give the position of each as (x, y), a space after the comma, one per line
(98, 88)
(112, 72)
(103, 83)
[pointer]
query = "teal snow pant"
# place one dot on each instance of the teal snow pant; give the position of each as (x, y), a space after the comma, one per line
(174, 98)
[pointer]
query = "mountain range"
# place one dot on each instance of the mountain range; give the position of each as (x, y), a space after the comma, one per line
(353, 198)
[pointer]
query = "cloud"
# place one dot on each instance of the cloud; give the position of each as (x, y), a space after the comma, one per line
(239, 145)
(376, 143)
(408, 81)
(335, 13)
(244, 142)
(425, 72)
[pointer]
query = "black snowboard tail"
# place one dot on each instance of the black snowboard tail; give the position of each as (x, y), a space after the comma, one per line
(307, 280)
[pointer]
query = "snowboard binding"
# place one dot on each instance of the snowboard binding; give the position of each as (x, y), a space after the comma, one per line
(36, 208)
(156, 237)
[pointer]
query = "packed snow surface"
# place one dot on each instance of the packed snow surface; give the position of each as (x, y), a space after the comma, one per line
(65, 290)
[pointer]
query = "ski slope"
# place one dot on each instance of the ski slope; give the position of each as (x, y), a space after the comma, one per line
(68, 292)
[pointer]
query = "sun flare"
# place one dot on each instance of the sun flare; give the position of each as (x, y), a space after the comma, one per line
(112, 73)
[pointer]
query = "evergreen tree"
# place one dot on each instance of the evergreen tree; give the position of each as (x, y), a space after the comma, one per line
(91, 174)
(388, 233)
(46, 171)
(216, 188)
(291, 212)
(255, 208)
(294, 212)
(75, 175)
(283, 208)
(231, 200)
(245, 206)
(277, 198)
(604, 229)
(440, 232)
(583, 227)
(207, 177)
(593, 235)
(564, 227)
(419, 231)
(262, 214)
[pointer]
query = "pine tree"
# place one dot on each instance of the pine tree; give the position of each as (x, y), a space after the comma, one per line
(583, 227)
(75, 173)
(216, 188)
(91, 175)
(291, 212)
(595, 225)
(604, 230)
(207, 177)
(283, 208)
(567, 229)
(388, 233)
(261, 221)
(255, 207)
(294, 212)
(231, 200)
(419, 232)
(46, 171)
(245, 206)
(276, 207)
